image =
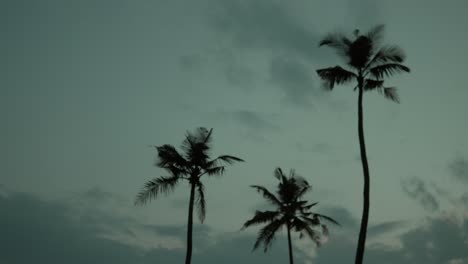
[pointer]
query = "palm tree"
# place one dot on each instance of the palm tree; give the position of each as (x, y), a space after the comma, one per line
(291, 211)
(367, 64)
(191, 165)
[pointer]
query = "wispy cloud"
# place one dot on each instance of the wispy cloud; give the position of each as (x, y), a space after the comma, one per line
(251, 120)
(269, 28)
(384, 228)
(295, 79)
(437, 240)
(459, 169)
(263, 24)
(190, 62)
(416, 189)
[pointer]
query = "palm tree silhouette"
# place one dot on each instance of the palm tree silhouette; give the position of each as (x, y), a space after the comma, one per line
(291, 211)
(191, 166)
(369, 63)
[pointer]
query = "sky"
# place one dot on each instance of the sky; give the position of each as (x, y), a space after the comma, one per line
(88, 87)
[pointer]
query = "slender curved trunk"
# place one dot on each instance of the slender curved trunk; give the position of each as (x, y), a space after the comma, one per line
(188, 256)
(289, 245)
(365, 167)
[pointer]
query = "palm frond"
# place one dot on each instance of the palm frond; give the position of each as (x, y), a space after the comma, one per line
(335, 75)
(302, 184)
(313, 221)
(267, 195)
(375, 34)
(334, 40)
(303, 191)
(337, 41)
(155, 187)
(200, 202)
(389, 53)
(391, 94)
(215, 166)
(307, 207)
(229, 159)
(298, 180)
(370, 84)
(300, 204)
(305, 229)
(297, 224)
(168, 157)
(266, 235)
(327, 218)
(200, 135)
(325, 230)
(207, 136)
(387, 70)
(261, 217)
(215, 171)
(278, 173)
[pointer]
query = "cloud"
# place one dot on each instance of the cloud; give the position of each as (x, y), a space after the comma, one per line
(97, 194)
(251, 120)
(273, 25)
(239, 75)
(48, 233)
(237, 248)
(256, 125)
(464, 199)
(272, 40)
(190, 62)
(233, 64)
(416, 189)
(430, 195)
(384, 228)
(342, 215)
(263, 24)
(459, 169)
(365, 12)
(45, 231)
(267, 28)
(440, 239)
(294, 78)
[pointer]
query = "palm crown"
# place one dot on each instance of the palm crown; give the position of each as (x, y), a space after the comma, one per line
(369, 62)
(291, 211)
(191, 165)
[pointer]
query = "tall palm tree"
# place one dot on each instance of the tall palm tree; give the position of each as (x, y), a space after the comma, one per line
(191, 165)
(291, 211)
(367, 64)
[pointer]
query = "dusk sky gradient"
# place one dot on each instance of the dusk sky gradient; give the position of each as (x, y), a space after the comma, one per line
(89, 86)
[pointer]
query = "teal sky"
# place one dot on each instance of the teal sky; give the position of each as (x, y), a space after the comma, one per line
(88, 86)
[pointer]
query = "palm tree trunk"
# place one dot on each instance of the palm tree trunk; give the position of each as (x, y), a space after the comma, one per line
(365, 167)
(188, 256)
(289, 245)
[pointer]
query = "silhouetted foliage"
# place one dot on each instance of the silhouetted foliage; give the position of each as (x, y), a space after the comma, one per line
(291, 211)
(367, 63)
(190, 165)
